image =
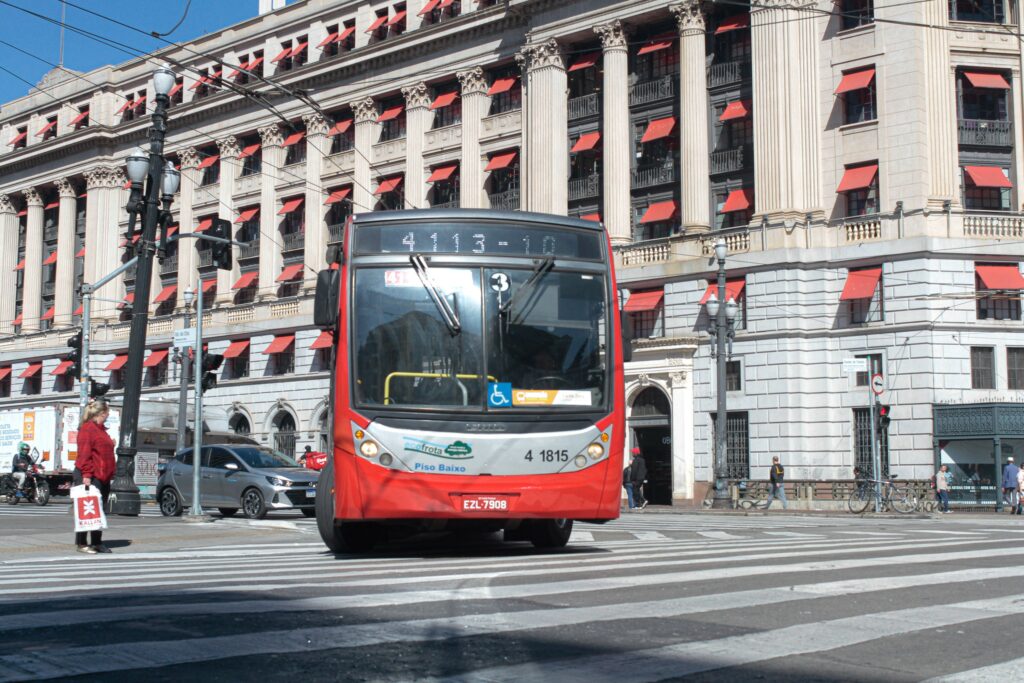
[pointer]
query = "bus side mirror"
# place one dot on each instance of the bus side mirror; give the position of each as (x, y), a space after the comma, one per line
(325, 304)
(626, 323)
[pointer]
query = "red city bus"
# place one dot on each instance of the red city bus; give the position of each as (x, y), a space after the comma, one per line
(476, 377)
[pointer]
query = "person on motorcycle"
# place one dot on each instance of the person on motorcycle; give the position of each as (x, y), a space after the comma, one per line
(21, 464)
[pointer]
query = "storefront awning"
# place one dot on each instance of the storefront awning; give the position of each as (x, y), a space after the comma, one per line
(738, 200)
(204, 225)
(338, 195)
(982, 79)
(587, 142)
(643, 301)
(388, 185)
(444, 100)
(861, 284)
(658, 129)
(280, 344)
(733, 289)
(1000, 276)
(237, 348)
(155, 358)
(501, 160)
(340, 127)
(324, 341)
(855, 80)
(858, 178)
(292, 272)
(118, 362)
(247, 215)
(249, 150)
(660, 211)
(442, 173)
(733, 23)
(294, 139)
(32, 370)
(585, 62)
(501, 85)
(391, 113)
(62, 368)
(291, 205)
(662, 42)
(987, 176)
(738, 109)
(166, 294)
(247, 280)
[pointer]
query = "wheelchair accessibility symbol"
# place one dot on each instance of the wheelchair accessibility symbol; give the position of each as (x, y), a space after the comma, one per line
(499, 394)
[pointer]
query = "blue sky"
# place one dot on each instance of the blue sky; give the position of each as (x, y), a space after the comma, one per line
(42, 39)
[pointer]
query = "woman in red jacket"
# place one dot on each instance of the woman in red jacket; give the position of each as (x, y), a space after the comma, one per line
(94, 464)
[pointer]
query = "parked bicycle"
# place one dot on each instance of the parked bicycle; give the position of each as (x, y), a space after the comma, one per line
(898, 497)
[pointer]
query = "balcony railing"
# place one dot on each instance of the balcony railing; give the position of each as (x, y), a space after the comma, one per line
(649, 176)
(335, 232)
(581, 188)
(985, 133)
(293, 241)
(49, 288)
(725, 73)
(587, 105)
(652, 91)
(205, 258)
(508, 200)
(250, 251)
(49, 233)
(994, 225)
(727, 160)
(170, 264)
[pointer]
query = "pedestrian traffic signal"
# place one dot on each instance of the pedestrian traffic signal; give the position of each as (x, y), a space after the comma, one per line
(221, 252)
(883, 415)
(75, 357)
(211, 363)
(97, 389)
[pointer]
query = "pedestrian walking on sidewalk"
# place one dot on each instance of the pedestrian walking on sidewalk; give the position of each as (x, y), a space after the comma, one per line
(942, 488)
(94, 466)
(777, 476)
(633, 479)
(1010, 472)
(1020, 490)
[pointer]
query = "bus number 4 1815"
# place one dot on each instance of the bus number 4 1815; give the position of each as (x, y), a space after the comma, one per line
(549, 455)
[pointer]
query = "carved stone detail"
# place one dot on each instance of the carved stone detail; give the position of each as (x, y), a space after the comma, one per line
(643, 379)
(613, 35)
(316, 124)
(189, 157)
(678, 379)
(271, 136)
(6, 205)
(104, 176)
(365, 111)
(32, 196)
(689, 15)
(473, 81)
(65, 189)
(417, 96)
(541, 56)
(229, 147)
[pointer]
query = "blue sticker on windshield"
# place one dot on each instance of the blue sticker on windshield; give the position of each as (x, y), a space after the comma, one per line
(499, 394)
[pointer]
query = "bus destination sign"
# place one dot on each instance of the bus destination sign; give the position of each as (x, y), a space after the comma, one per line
(467, 239)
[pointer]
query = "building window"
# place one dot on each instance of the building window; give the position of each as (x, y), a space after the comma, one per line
(859, 104)
(863, 459)
(283, 363)
(342, 133)
(20, 139)
(392, 120)
(396, 25)
(506, 91)
(861, 190)
(177, 93)
(983, 374)
(238, 367)
(874, 368)
(1015, 368)
(300, 53)
(156, 375)
(648, 322)
(295, 146)
(447, 106)
(987, 11)
(252, 157)
(986, 188)
(857, 13)
(239, 424)
(283, 59)
(82, 119)
(996, 304)
(656, 65)
(209, 164)
(737, 444)
(378, 30)
(988, 102)
(733, 375)
(732, 46)
(5, 383)
(866, 309)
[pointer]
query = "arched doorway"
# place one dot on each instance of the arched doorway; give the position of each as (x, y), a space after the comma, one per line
(239, 424)
(650, 423)
(284, 433)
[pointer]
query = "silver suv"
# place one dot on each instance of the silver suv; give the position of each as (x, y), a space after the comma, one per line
(237, 476)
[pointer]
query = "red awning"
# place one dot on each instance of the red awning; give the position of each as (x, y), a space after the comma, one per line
(981, 79)
(63, 367)
(47, 128)
(662, 42)
(129, 298)
(340, 127)
(124, 107)
(81, 253)
(51, 259)
(174, 91)
(733, 289)
(21, 265)
(237, 348)
(861, 284)
(294, 139)
(208, 161)
(328, 40)
(18, 138)
(658, 129)
(501, 85)
(501, 160)
(442, 173)
(4, 372)
(204, 225)
(249, 151)
(51, 205)
(587, 141)
(738, 200)
(324, 341)
(202, 80)
(155, 358)
(247, 215)
(166, 293)
(17, 320)
(280, 344)
(32, 370)
(281, 55)
(388, 185)
(209, 285)
(733, 23)
(297, 50)
(238, 72)
(142, 100)
(118, 362)
(444, 100)
(660, 211)
(81, 117)
(586, 61)
(986, 176)
(855, 80)
(338, 195)
(346, 33)
(80, 310)
(596, 217)
(429, 7)
(377, 23)
(740, 109)
(858, 177)
(391, 113)
(643, 301)
(292, 272)
(399, 16)
(23, 212)
(291, 205)
(445, 3)
(48, 315)
(247, 280)
(1006, 276)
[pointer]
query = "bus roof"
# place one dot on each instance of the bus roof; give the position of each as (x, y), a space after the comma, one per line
(472, 215)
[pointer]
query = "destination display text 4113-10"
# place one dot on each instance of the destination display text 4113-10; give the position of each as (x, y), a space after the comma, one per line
(498, 240)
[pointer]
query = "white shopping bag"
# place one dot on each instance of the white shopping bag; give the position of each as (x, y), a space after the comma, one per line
(88, 506)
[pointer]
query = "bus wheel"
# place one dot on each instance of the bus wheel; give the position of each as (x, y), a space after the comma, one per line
(550, 533)
(337, 536)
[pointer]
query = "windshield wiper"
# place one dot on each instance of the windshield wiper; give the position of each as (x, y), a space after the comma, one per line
(541, 269)
(447, 314)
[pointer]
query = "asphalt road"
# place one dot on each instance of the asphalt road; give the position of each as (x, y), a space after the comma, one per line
(651, 597)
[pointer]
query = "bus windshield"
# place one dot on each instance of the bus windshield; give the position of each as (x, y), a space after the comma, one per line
(526, 339)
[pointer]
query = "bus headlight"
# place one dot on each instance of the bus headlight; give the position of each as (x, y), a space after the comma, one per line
(369, 449)
(595, 450)
(580, 461)
(386, 459)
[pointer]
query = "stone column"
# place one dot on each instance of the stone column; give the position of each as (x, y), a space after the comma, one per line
(939, 92)
(683, 468)
(102, 236)
(64, 294)
(475, 103)
(230, 168)
(365, 112)
(417, 120)
(693, 107)
(546, 122)
(8, 260)
(616, 132)
(271, 255)
(188, 259)
(32, 291)
(786, 122)
(315, 244)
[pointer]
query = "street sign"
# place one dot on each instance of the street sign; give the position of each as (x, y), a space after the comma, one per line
(878, 384)
(855, 365)
(185, 338)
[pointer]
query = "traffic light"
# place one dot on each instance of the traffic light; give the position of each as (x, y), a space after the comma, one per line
(211, 363)
(221, 252)
(884, 416)
(75, 357)
(97, 389)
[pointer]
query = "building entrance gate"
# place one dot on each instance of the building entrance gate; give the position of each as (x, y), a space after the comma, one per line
(649, 422)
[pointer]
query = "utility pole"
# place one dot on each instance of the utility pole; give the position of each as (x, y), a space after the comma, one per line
(721, 312)
(85, 386)
(187, 296)
(196, 513)
(159, 176)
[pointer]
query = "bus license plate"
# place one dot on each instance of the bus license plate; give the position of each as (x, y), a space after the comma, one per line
(485, 503)
(310, 493)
